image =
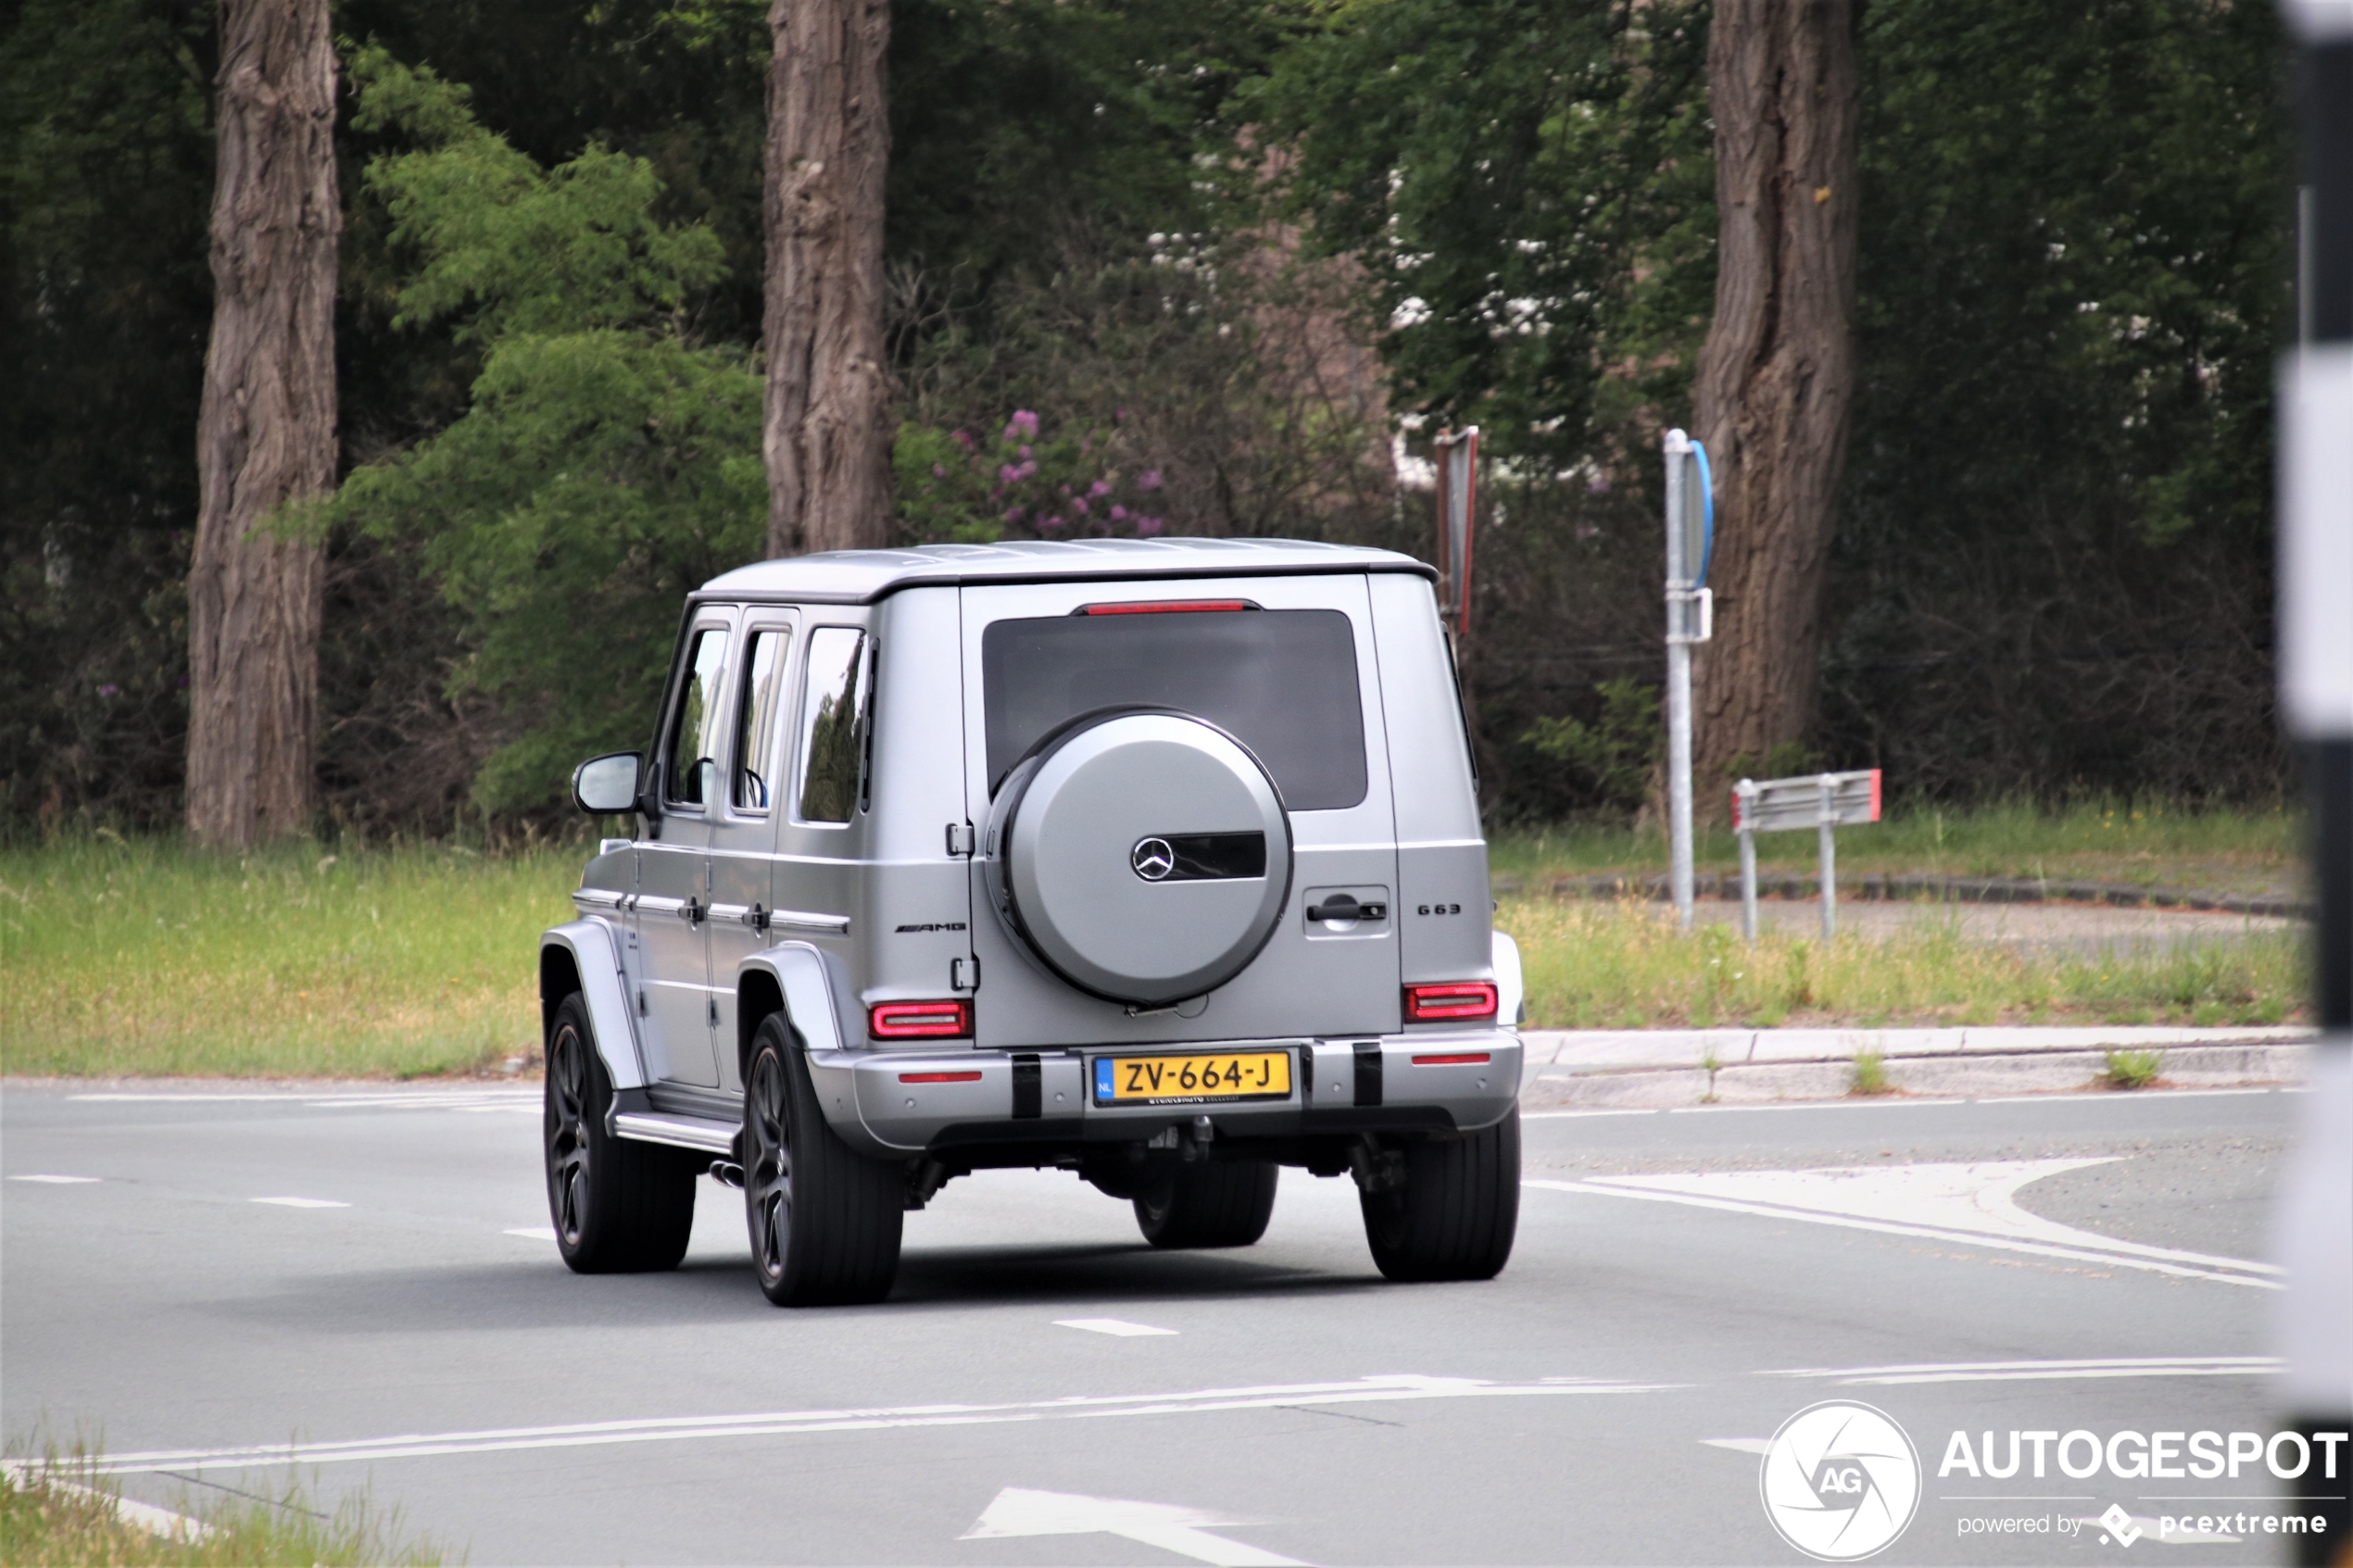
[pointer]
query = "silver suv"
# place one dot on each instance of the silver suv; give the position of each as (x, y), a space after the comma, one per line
(1156, 861)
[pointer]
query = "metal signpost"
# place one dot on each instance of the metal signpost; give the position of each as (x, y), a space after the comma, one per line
(1457, 457)
(1821, 801)
(1691, 617)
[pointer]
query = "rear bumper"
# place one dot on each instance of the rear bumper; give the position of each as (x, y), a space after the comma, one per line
(903, 1103)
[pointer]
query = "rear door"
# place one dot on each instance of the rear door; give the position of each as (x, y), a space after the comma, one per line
(1284, 664)
(743, 827)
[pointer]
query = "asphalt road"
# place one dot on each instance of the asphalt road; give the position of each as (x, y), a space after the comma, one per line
(1682, 1287)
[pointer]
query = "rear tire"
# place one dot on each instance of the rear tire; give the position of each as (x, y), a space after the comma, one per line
(1214, 1203)
(618, 1206)
(824, 1220)
(1458, 1211)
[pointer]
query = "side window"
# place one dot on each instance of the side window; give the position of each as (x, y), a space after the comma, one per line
(690, 771)
(833, 724)
(757, 708)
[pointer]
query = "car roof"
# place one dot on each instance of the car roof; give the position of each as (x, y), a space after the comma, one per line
(863, 576)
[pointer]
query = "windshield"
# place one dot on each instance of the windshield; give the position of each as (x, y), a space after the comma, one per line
(1282, 682)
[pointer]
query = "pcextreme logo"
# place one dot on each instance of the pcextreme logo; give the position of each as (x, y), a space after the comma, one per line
(1840, 1481)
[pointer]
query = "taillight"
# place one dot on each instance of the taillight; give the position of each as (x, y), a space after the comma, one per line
(920, 1021)
(1166, 607)
(1454, 999)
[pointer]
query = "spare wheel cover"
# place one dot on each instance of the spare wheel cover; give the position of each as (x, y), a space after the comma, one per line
(1145, 858)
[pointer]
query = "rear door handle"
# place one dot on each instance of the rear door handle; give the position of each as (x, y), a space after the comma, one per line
(1343, 905)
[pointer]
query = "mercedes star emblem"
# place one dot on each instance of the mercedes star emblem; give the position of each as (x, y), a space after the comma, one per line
(1151, 858)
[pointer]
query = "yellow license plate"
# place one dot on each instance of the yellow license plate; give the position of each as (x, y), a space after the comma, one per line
(1189, 1080)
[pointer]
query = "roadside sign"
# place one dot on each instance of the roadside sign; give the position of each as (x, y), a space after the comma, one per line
(1786, 805)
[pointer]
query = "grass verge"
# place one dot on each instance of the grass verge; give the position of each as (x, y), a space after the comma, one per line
(56, 1511)
(2151, 844)
(1623, 964)
(2132, 1070)
(143, 958)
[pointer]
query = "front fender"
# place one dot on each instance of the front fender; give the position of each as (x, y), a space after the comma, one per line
(595, 961)
(1511, 989)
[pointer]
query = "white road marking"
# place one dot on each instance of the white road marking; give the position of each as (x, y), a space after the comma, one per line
(2027, 1372)
(55, 1181)
(303, 1202)
(1392, 1389)
(1971, 1203)
(1018, 1512)
(139, 1515)
(430, 1099)
(544, 1233)
(1871, 1103)
(1120, 1327)
(1740, 1445)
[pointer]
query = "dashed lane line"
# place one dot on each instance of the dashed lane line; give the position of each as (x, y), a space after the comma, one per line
(1118, 1326)
(301, 1202)
(56, 1181)
(2028, 1371)
(1387, 1390)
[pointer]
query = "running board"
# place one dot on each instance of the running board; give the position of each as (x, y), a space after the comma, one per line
(678, 1132)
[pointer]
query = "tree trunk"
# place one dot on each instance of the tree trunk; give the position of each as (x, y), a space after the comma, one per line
(1776, 377)
(826, 434)
(266, 434)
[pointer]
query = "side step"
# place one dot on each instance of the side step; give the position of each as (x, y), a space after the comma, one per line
(678, 1132)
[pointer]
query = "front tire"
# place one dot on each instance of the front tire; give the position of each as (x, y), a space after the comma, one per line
(618, 1206)
(1457, 1211)
(824, 1220)
(1214, 1203)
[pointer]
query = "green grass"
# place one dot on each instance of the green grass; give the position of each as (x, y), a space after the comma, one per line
(2132, 1070)
(1623, 964)
(2151, 844)
(56, 1511)
(143, 958)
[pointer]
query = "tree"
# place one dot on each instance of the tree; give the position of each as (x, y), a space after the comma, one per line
(266, 434)
(1776, 379)
(826, 428)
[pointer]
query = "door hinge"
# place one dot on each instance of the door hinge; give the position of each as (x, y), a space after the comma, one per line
(963, 974)
(757, 917)
(694, 912)
(962, 836)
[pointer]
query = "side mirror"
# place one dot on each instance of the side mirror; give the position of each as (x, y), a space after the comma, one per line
(606, 784)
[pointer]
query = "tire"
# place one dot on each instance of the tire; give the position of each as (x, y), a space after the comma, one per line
(1459, 1207)
(618, 1206)
(1214, 1203)
(824, 1220)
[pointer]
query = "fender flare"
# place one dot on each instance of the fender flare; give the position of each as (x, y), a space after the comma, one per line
(812, 984)
(595, 961)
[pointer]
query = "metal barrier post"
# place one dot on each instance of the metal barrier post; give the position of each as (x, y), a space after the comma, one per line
(1745, 793)
(1830, 855)
(1678, 684)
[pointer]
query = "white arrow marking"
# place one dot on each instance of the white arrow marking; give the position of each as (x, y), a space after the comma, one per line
(1017, 1510)
(1119, 1326)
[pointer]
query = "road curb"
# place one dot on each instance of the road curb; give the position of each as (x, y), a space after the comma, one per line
(1902, 887)
(1602, 1069)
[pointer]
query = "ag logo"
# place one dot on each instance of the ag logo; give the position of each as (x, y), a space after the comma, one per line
(1151, 858)
(1840, 1481)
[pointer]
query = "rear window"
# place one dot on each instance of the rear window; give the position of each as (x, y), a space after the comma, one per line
(1282, 682)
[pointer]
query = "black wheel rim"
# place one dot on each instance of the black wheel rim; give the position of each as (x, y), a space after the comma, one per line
(768, 1181)
(567, 1125)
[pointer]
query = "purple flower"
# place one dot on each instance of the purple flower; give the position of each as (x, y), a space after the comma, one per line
(1098, 488)
(1119, 513)
(1146, 527)
(1048, 522)
(1119, 413)
(1148, 479)
(1079, 505)
(1007, 472)
(1024, 452)
(939, 470)
(109, 689)
(1026, 470)
(961, 439)
(1014, 514)
(1024, 426)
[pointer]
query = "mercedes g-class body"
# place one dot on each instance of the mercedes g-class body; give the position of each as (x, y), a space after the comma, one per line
(1156, 861)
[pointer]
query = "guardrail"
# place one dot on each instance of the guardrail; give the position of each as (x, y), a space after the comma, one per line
(1824, 802)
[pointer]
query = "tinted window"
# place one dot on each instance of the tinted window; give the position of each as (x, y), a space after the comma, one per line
(756, 726)
(692, 766)
(833, 725)
(1282, 682)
